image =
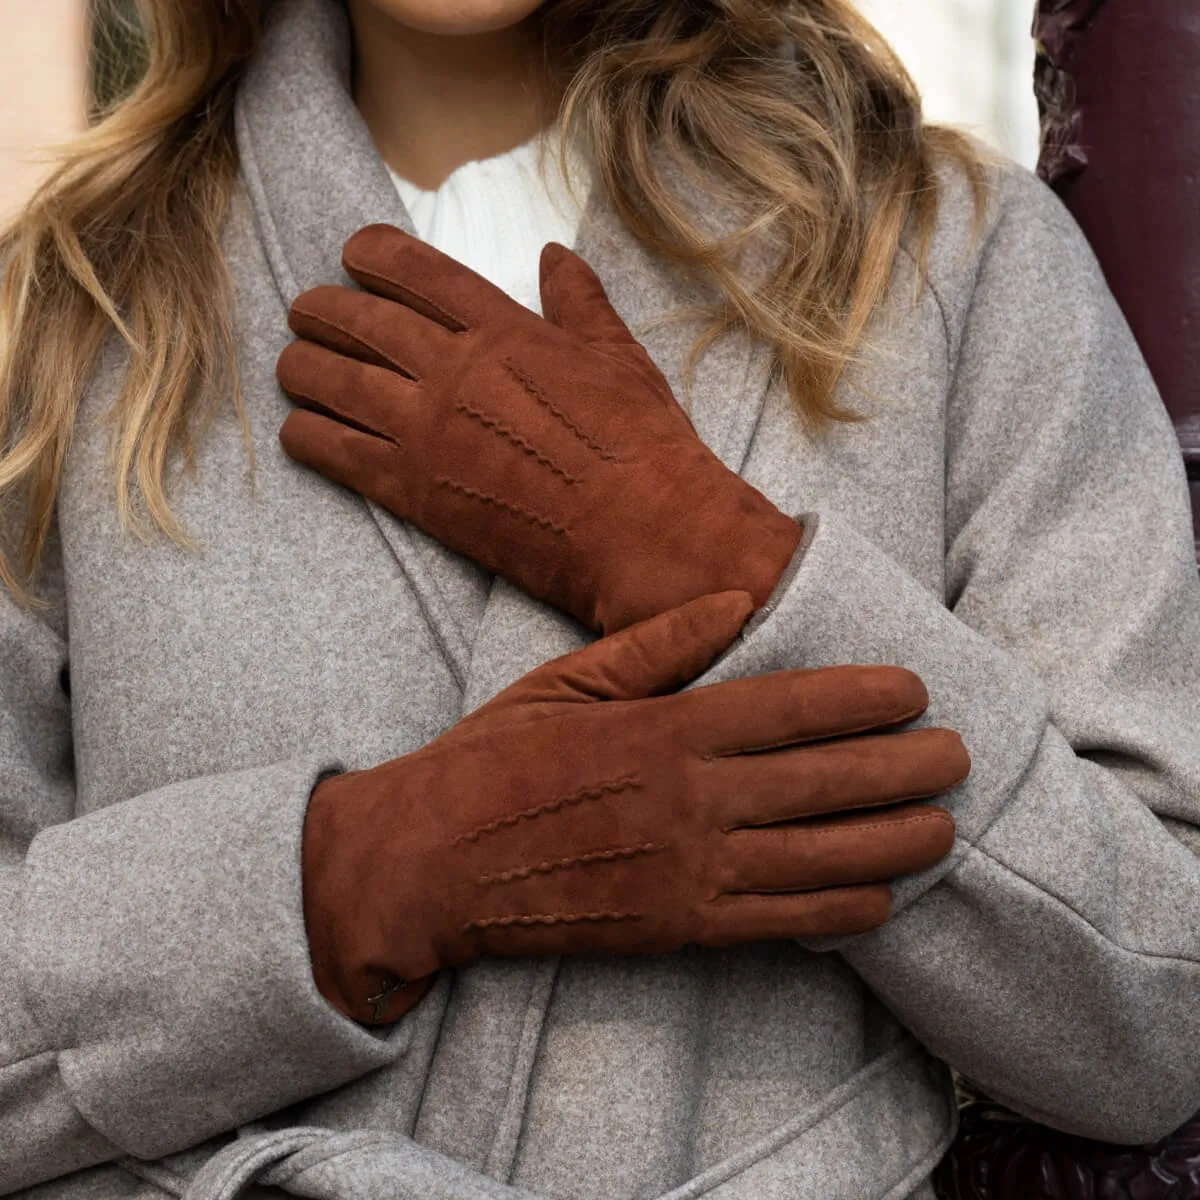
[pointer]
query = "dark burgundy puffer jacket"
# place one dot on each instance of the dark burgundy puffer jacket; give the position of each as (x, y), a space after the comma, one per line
(1119, 82)
(998, 1158)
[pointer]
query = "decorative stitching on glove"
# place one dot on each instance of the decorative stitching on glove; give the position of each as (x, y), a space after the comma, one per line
(595, 792)
(513, 509)
(514, 437)
(548, 919)
(562, 864)
(532, 388)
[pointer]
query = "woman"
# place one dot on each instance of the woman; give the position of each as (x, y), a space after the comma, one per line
(707, 941)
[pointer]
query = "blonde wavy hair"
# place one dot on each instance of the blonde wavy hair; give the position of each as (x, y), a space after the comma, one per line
(822, 148)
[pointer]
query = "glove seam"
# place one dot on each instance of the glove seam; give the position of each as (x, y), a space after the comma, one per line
(507, 506)
(532, 388)
(595, 791)
(548, 867)
(510, 435)
(554, 918)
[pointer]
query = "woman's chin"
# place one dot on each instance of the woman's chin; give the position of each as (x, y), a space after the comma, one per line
(458, 17)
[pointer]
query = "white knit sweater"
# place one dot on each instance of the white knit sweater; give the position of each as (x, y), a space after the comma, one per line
(495, 215)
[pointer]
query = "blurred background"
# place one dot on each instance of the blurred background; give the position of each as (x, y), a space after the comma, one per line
(973, 60)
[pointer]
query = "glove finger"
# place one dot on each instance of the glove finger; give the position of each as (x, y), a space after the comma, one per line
(761, 917)
(860, 772)
(356, 393)
(366, 464)
(859, 848)
(373, 330)
(391, 263)
(790, 707)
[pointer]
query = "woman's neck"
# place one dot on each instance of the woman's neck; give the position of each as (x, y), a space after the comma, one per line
(434, 101)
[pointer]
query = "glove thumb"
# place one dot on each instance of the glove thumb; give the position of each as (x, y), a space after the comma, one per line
(573, 298)
(651, 658)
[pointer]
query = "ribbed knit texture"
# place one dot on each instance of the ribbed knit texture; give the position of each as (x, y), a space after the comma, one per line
(496, 214)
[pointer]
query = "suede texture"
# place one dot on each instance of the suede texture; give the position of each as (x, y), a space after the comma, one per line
(582, 811)
(1011, 523)
(550, 451)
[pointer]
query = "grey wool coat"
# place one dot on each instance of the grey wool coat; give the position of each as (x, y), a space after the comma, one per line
(1011, 523)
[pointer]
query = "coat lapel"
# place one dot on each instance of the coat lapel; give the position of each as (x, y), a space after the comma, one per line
(314, 177)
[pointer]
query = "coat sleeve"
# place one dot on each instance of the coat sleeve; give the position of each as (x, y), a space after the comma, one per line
(155, 986)
(1054, 957)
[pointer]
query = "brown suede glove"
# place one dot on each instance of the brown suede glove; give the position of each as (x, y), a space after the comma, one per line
(583, 810)
(550, 451)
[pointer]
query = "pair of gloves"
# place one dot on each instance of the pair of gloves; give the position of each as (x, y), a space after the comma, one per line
(591, 807)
